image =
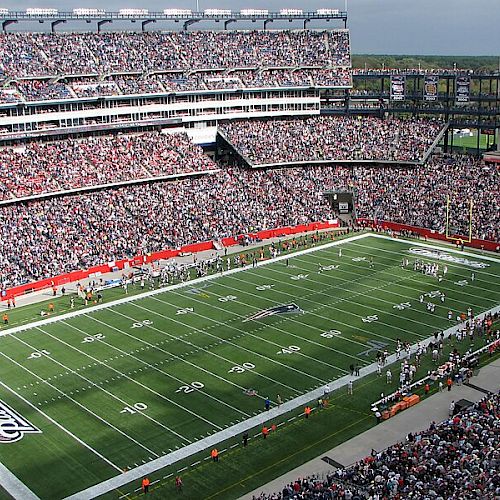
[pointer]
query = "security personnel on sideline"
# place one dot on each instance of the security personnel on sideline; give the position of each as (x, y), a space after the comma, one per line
(265, 432)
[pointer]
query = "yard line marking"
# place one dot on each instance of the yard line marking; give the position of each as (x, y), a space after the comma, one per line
(478, 272)
(232, 363)
(349, 312)
(410, 278)
(174, 355)
(442, 248)
(295, 320)
(337, 321)
(190, 283)
(237, 429)
(248, 334)
(77, 403)
(235, 345)
(113, 396)
(397, 283)
(361, 294)
(139, 384)
(160, 371)
(344, 311)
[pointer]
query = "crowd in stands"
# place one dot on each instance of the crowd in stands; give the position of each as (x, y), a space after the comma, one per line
(45, 89)
(48, 54)
(159, 62)
(41, 167)
(418, 196)
(331, 138)
(43, 238)
(455, 459)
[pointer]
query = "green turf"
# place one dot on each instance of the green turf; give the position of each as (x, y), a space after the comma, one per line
(470, 142)
(149, 348)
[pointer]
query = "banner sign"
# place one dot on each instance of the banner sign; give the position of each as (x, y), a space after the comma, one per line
(431, 83)
(398, 83)
(463, 88)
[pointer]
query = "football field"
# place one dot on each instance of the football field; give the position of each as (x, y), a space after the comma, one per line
(89, 395)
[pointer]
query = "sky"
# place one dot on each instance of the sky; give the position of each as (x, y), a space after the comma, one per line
(435, 27)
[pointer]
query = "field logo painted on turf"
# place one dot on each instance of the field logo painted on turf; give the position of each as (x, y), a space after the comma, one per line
(283, 309)
(437, 254)
(13, 426)
(375, 345)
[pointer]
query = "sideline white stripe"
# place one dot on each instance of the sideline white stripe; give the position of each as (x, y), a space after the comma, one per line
(191, 283)
(14, 487)
(238, 429)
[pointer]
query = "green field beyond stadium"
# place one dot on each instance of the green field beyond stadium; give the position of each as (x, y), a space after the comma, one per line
(95, 393)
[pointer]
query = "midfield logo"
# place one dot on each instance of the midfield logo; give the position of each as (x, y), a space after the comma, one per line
(13, 426)
(437, 254)
(284, 309)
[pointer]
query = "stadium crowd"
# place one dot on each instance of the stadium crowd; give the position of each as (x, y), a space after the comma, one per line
(42, 238)
(42, 167)
(45, 89)
(103, 60)
(331, 138)
(48, 54)
(455, 459)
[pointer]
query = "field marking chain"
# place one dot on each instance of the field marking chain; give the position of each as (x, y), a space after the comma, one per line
(149, 365)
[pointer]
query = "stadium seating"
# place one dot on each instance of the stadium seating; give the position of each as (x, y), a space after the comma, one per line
(297, 58)
(41, 168)
(457, 458)
(78, 231)
(292, 140)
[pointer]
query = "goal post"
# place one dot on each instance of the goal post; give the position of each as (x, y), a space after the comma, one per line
(458, 235)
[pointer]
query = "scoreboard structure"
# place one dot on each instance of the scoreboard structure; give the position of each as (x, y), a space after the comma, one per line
(342, 202)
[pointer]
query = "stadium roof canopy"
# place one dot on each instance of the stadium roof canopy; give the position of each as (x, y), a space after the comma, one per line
(186, 16)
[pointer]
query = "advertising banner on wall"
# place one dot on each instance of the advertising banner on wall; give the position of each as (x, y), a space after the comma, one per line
(431, 83)
(463, 88)
(398, 83)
